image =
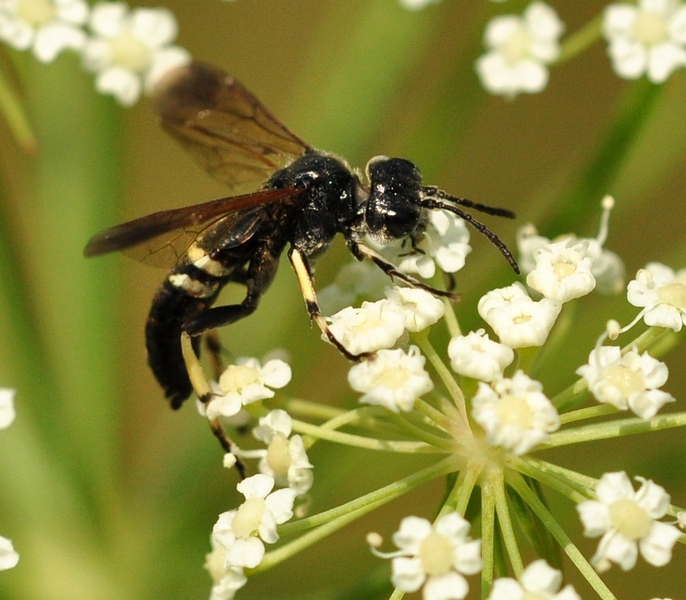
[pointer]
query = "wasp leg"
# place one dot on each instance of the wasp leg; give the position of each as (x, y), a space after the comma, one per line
(361, 250)
(303, 272)
(260, 274)
(204, 392)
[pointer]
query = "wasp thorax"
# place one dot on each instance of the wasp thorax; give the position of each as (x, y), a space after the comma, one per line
(393, 209)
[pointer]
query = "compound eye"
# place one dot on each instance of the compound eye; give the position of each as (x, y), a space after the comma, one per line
(401, 219)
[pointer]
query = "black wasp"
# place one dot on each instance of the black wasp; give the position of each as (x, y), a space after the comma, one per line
(305, 198)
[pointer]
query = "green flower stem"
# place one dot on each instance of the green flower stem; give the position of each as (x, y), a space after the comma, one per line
(488, 502)
(664, 345)
(459, 496)
(450, 319)
(330, 521)
(434, 415)
(527, 357)
(12, 109)
(649, 338)
(572, 395)
(444, 374)
(577, 392)
(573, 485)
(591, 412)
(358, 441)
(445, 443)
(614, 429)
(557, 337)
(505, 521)
(313, 410)
(584, 567)
(580, 40)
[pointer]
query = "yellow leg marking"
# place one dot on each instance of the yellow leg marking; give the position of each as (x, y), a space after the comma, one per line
(195, 373)
(302, 272)
(204, 393)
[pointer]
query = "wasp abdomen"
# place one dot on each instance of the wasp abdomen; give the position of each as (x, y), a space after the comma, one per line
(186, 293)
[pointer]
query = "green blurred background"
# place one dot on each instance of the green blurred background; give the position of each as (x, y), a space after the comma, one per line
(106, 492)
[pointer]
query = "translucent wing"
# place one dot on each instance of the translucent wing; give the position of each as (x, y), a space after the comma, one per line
(161, 238)
(236, 139)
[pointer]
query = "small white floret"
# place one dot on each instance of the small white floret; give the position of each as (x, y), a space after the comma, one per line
(562, 271)
(607, 268)
(647, 38)
(245, 382)
(46, 27)
(475, 355)
(421, 308)
(627, 381)
(519, 50)
(244, 531)
(661, 292)
(539, 580)
(517, 320)
(373, 326)
(395, 379)
(515, 413)
(131, 50)
(436, 557)
(285, 458)
(627, 521)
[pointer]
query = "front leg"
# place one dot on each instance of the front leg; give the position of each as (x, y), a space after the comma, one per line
(361, 251)
(303, 272)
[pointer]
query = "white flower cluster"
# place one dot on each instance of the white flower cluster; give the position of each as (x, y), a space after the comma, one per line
(644, 38)
(128, 50)
(396, 377)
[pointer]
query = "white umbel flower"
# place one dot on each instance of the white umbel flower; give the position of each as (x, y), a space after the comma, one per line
(514, 413)
(435, 556)
(9, 557)
(7, 411)
(607, 268)
(394, 379)
(627, 381)
(626, 520)
(646, 38)
(244, 531)
(131, 50)
(226, 581)
(477, 356)
(538, 581)
(661, 293)
(517, 320)
(421, 308)
(285, 458)
(373, 326)
(520, 48)
(46, 27)
(562, 271)
(245, 382)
